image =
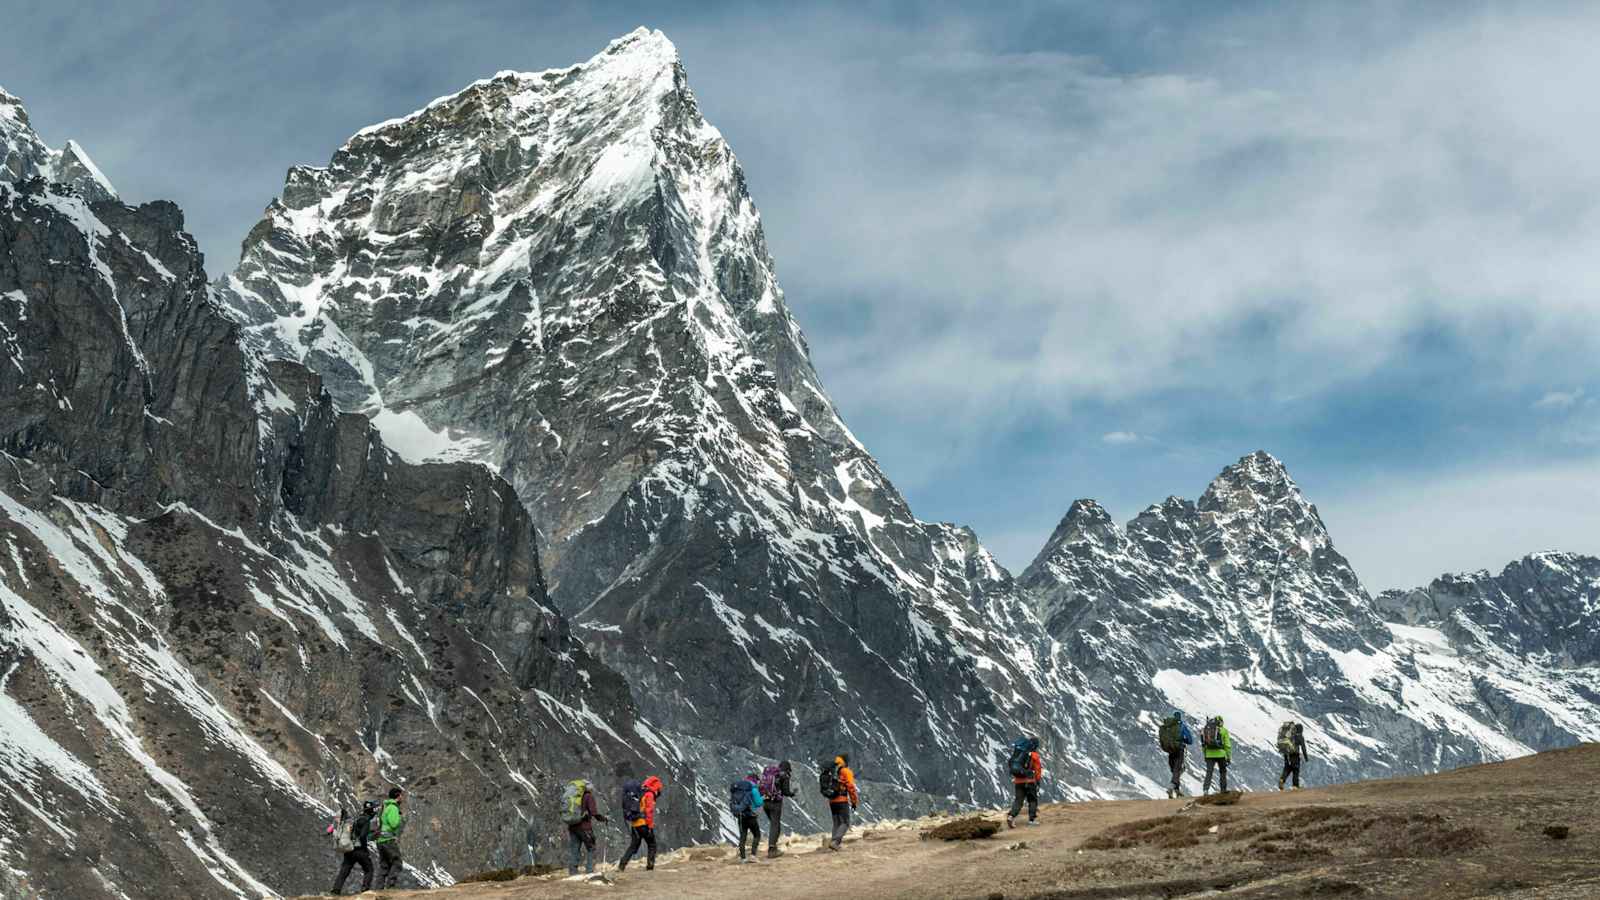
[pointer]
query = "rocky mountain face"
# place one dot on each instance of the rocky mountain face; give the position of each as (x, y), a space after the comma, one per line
(1239, 605)
(563, 275)
(227, 608)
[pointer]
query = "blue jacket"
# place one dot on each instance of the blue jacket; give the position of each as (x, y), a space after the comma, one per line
(1186, 734)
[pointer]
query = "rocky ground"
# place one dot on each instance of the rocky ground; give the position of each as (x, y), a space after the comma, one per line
(1482, 831)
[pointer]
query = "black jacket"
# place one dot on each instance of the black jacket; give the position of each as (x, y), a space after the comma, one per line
(361, 830)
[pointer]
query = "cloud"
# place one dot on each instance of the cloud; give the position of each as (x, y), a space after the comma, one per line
(1120, 437)
(1559, 399)
(1404, 533)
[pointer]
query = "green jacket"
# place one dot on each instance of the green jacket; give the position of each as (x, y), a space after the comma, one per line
(391, 822)
(1226, 750)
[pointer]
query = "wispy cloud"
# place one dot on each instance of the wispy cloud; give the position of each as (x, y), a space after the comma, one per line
(1120, 437)
(1559, 399)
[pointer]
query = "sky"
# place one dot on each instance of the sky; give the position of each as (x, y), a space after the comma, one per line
(1041, 251)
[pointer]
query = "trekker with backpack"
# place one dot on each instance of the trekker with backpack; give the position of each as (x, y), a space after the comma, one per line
(774, 787)
(1027, 769)
(838, 784)
(1175, 738)
(352, 843)
(1217, 744)
(391, 822)
(1292, 744)
(744, 801)
(639, 807)
(579, 811)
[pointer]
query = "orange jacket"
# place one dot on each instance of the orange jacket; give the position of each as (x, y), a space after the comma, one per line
(847, 780)
(647, 803)
(1036, 765)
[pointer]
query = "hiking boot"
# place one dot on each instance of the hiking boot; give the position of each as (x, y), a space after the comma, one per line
(1011, 822)
(1280, 784)
(1171, 793)
(773, 853)
(1032, 822)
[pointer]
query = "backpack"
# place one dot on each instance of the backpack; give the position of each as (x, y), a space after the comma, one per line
(344, 839)
(769, 782)
(361, 829)
(1171, 734)
(1211, 735)
(1019, 764)
(828, 779)
(740, 802)
(572, 811)
(632, 797)
(1286, 738)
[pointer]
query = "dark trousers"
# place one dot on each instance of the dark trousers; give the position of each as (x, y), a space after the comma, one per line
(389, 864)
(774, 823)
(357, 857)
(579, 841)
(1291, 767)
(1218, 764)
(641, 834)
(1028, 791)
(749, 825)
(841, 823)
(1175, 763)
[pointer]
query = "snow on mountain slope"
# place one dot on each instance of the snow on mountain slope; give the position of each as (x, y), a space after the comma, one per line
(1239, 605)
(563, 275)
(24, 156)
(227, 608)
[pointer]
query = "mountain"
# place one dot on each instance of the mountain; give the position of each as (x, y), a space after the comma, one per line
(563, 275)
(228, 608)
(1238, 604)
(24, 156)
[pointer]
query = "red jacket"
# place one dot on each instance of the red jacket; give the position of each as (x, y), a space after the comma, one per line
(647, 803)
(1036, 765)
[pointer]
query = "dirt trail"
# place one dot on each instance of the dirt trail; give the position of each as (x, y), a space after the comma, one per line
(1476, 832)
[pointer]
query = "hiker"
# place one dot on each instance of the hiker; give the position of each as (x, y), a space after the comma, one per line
(838, 784)
(1175, 738)
(580, 813)
(391, 822)
(1026, 770)
(639, 806)
(774, 787)
(1217, 744)
(357, 854)
(744, 801)
(1292, 744)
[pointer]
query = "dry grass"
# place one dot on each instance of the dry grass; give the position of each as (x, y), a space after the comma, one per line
(1226, 798)
(1166, 833)
(971, 829)
(510, 874)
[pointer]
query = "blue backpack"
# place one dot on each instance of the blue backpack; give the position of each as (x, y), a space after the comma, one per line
(1018, 763)
(740, 803)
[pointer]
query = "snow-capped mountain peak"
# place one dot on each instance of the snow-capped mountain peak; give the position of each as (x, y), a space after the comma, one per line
(23, 155)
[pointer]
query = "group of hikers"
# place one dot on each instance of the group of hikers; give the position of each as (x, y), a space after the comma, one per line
(749, 797)
(763, 793)
(374, 825)
(1216, 744)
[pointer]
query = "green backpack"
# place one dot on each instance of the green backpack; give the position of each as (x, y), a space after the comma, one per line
(1171, 734)
(572, 801)
(1286, 738)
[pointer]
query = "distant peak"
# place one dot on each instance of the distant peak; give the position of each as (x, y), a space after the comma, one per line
(643, 39)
